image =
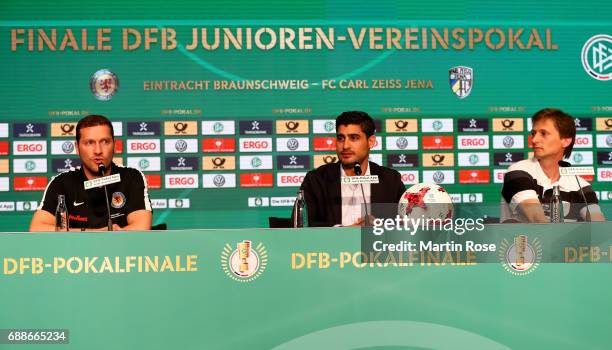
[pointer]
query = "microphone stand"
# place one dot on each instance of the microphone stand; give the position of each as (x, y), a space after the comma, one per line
(102, 168)
(586, 204)
(565, 164)
(357, 169)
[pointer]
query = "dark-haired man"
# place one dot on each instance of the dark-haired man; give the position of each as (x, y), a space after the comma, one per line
(331, 204)
(129, 199)
(528, 184)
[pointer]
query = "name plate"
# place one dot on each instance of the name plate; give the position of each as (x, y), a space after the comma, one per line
(576, 170)
(356, 180)
(102, 181)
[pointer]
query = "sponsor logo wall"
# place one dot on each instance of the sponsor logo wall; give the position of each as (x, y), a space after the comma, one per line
(227, 154)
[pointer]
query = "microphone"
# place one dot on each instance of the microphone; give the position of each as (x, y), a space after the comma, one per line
(358, 172)
(564, 164)
(101, 171)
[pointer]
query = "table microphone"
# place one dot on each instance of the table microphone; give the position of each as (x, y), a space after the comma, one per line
(358, 171)
(102, 170)
(564, 164)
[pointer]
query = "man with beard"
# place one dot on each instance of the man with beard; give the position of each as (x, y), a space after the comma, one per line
(328, 202)
(130, 207)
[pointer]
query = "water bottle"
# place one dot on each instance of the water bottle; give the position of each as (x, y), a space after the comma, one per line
(61, 214)
(556, 206)
(299, 209)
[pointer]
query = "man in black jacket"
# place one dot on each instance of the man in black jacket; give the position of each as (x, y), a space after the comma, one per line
(331, 204)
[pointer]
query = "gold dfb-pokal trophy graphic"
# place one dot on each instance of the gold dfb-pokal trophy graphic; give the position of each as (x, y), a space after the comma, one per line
(521, 256)
(244, 249)
(245, 262)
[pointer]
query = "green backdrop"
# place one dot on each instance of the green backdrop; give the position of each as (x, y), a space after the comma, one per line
(42, 87)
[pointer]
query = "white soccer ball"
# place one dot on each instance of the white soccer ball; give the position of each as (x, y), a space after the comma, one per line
(426, 200)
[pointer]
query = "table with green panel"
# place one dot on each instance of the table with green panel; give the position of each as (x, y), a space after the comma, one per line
(305, 289)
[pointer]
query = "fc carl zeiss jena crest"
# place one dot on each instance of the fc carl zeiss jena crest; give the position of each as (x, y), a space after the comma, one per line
(461, 80)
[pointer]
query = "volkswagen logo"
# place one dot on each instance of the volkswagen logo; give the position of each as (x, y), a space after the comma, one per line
(219, 180)
(68, 147)
(438, 177)
(181, 145)
(401, 143)
(293, 144)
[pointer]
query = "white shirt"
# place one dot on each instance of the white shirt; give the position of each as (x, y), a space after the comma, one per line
(352, 199)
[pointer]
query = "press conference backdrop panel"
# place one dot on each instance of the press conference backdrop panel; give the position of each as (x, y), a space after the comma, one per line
(225, 127)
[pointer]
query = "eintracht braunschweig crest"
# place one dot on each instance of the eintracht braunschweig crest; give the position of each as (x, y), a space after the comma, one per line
(461, 80)
(104, 84)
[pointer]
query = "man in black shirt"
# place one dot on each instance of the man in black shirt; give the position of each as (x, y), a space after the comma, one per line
(129, 199)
